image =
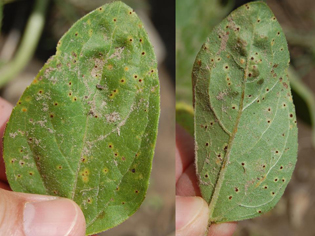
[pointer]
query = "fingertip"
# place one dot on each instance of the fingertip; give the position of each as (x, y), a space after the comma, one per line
(5, 111)
(184, 155)
(187, 184)
(79, 227)
(222, 229)
(191, 216)
(59, 216)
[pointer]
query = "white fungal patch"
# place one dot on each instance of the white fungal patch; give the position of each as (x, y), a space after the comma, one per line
(113, 117)
(98, 67)
(41, 122)
(221, 95)
(45, 107)
(12, 135)
(117, 53)
(50, 130)
(49, 69)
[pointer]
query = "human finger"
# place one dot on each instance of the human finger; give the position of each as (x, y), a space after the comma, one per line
(37, 215)
(184, 155)
(5, 111)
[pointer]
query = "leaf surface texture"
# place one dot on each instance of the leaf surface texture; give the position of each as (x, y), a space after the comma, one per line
(86, 127)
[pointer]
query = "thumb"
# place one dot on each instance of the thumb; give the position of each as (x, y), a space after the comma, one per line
(38, 215)
(191, 216)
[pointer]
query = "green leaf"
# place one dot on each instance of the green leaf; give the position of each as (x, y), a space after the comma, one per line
(245, 123)
(86, 127)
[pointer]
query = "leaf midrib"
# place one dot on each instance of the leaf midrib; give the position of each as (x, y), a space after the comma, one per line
(86, 125)
(226, 159)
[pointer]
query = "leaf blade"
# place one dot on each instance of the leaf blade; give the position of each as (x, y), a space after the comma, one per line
(241, 95)
(94, 107)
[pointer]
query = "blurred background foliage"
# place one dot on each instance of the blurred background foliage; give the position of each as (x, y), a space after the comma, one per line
(30, 30)
(295, 213)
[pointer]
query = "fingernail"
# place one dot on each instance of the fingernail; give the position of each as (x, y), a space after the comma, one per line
(187, 209)
(49, 218)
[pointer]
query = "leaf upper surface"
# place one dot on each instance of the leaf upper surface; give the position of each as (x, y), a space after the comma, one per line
(86, 127)
(245, 123)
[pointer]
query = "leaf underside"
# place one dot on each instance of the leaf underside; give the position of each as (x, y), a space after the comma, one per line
(245, 123)
(85, 129)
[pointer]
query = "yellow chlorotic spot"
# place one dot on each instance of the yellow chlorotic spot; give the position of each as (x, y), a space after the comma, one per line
(35, 81)
(86, 171)
(105, 170)
(28, 98)
(74, 99)
(59, 167)
(242, 61)
(24, 109)
(85, 179)
(40, 91)
(90, 32)
(110, 67)
(123, 80)
(19, 176)
(126, 68)
(113, 93)
(84, 159)
(110, 145)
(89, 22)
(89, 200)
(31, 173)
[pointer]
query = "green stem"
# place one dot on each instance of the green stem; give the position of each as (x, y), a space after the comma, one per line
(28, 44)
(307, 95)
